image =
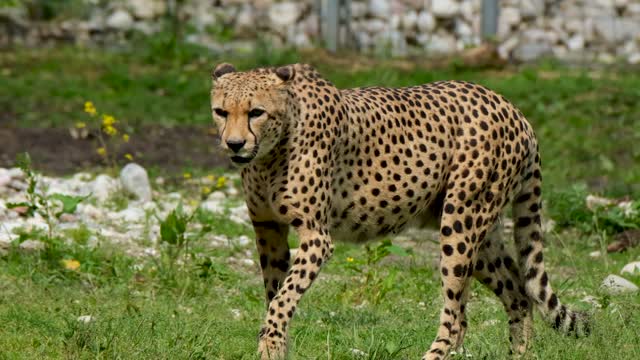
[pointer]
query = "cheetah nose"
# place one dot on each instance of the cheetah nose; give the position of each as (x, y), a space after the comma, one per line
(236, 145)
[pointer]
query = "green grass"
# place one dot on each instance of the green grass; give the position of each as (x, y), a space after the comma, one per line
(139, 314)
(212, 307)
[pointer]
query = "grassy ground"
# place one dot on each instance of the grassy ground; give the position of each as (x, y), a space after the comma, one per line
(212, 307)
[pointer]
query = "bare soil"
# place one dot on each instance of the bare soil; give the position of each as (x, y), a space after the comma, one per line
(54, 151)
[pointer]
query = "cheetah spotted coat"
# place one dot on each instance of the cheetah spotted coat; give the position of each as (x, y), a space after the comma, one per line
(361, 163)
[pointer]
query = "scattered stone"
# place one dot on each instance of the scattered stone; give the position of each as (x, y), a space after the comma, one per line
(283, 15)
(248, 262)
(595, 254)
(444, 8)
(631, 268)
(217, 196)
(85, 319)
(32, 245)
(236, 313)
(379, 8)
(103, 186)
(135, 181)
(131, 214)
(147, 9)
(531, 51)
(120, 20)
(615, 284)
(243, 240)
(358, 353)
(426, 22)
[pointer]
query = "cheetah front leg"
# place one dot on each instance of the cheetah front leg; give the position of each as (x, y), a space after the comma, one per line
(315, 249)
(273, 249)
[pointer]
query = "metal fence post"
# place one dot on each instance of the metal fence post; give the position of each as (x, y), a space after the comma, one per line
(489, 21)
(334, 16)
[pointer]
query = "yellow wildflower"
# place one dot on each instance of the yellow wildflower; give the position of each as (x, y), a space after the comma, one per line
(206, 190)
(349, 259)
(186, 175)
(89, 108)
(71, 264)
(80, 125)
(128, 157)
(108, 120)
(211, 178)
(221, 181)
(102, 151)
(125, 137)
(110, 130)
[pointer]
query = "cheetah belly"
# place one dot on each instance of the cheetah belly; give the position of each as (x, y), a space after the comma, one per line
(360, 216)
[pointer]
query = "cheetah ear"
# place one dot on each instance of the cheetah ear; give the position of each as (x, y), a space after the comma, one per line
(222, 69)
(286, 73)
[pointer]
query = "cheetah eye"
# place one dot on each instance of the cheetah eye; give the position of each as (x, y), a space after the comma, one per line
(255, 113)
(221, 112)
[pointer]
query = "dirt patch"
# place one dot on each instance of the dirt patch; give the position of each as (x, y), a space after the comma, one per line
(54, 151)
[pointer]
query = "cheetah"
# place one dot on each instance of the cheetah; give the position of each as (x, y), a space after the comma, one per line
(356, 164)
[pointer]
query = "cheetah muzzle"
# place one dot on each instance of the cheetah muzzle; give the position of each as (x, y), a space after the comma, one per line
(362, 163)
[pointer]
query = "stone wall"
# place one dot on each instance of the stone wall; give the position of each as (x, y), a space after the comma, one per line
(584, 30)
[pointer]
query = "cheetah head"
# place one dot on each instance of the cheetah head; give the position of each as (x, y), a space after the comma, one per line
(249, 109)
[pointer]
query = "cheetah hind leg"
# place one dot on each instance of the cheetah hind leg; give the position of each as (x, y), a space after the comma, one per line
(496, 269)
(458, 240)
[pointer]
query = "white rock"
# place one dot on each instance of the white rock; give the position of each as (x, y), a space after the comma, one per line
(358, 353)
(16, 173)
(243, 240)
(131, 214)
(409, 20)
(595, 254)
(394, 21)
(85, 319)
(245, 21)
(232, 191)
(135, 181)
(375, 26)
(147, 9)
(103, 186)
(505, 49)
(120, 20)
(531, 8)
(6, 237)
(576, 42)
(615, 284)
(441, 43)
(217, 196)
(445, 8)
(89, 211)
(467, 10)
(464, 31)
(426, 22)
(604, 3)
(631, 268)
(18, 184)
(213, 206)
(358, 9)
(32, 245)
(510, 16)
(236, 313)
(283, 15)
(634, 59)
(531, 51)
(379, 8)
(247, 262)
(634, 9)
(5, 179)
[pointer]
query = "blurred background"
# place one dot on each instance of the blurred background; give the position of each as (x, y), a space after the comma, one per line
(123, 233)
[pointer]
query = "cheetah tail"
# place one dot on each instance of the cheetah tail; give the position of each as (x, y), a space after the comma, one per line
(528, 239)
